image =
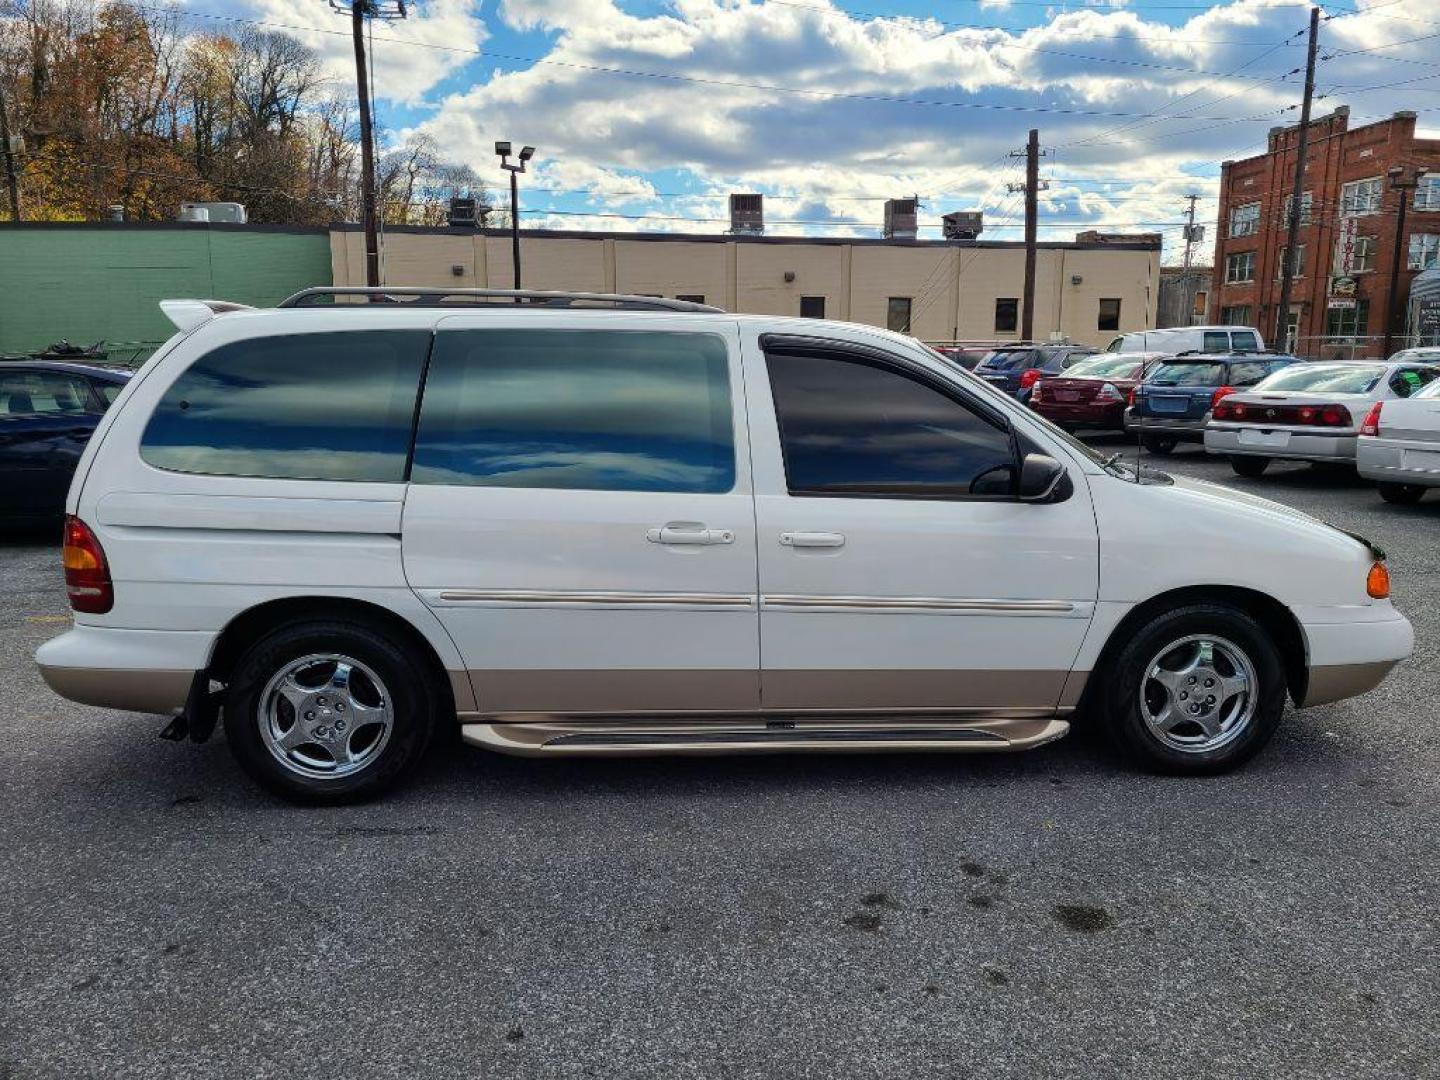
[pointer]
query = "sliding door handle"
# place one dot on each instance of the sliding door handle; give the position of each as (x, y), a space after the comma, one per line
(689, 533)
(813, 539)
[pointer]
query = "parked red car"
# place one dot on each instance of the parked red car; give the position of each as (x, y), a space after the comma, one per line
(1093, 393)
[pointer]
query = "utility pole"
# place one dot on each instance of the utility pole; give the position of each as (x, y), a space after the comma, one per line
(11, 183)
(1403, 181)
(359, 11)
(1190, 231)
(1032, 213)
(1292, 236)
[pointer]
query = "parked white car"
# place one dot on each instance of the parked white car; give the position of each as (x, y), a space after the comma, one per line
(1422, 354)
(1190, 339)
(1399, 446)
(1307, 412)
(660, 528)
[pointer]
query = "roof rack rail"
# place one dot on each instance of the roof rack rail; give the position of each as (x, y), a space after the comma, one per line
(426, 296)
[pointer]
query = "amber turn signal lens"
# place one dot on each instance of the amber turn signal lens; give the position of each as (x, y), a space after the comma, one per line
(1377, 584)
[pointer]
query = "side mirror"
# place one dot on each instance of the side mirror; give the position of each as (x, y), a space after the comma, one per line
(1041, 477)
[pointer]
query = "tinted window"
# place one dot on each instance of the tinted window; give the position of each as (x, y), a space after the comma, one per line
(1007, 314)
(1250, 372)
(1011, 360)
(848, 427)
(299, 406)
(1246, 342)
(1179, 373)
(108, 391)
(897, 314)
(1322, 378)
(1119, 366)
(597, 410)
(1216, 341)
(43, 393)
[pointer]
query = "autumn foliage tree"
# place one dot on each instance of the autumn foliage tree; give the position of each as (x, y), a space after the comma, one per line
(118, 105)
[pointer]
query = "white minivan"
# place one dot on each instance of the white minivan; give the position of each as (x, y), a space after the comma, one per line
(589, 525)
(1189, 339)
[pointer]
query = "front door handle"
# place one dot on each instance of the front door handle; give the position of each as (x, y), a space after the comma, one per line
(813, 539)
(689, 533)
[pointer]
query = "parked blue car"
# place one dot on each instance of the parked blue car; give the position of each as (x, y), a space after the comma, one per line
(1173, 404)
(48, 411)
(1016, 368)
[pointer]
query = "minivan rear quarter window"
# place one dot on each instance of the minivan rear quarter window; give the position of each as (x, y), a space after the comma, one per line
(609, 410)
(331, 406)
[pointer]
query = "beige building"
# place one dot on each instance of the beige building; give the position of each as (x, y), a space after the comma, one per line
(1087, 290)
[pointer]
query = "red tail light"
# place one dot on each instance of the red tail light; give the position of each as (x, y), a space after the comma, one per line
(1131, 399)
(1230, 410)
(1220, 392)
(1030, 378)
(87, 575)
(1371, 426)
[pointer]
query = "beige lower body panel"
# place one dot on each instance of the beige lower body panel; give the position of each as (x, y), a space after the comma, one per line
(575, 737)
(135, 690)
(1335, 682)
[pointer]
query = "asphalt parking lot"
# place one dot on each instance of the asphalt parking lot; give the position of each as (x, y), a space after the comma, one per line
(1052, 914)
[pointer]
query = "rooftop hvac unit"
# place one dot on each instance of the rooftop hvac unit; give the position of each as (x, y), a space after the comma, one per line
(962, 224)
(901, 218)
(747, 215)
(232, 213)
(463, 213)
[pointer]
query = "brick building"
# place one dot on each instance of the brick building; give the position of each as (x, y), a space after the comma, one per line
(1348, 214)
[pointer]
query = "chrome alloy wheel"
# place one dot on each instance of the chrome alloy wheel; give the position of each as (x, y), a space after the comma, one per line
(1199, 693)
(325, 716)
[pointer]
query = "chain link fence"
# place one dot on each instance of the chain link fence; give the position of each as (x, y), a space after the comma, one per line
(1365, 347)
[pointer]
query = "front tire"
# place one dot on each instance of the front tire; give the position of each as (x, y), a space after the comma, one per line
(1249, 466)
(1196, 691)
(329, 711)
(1402, 494)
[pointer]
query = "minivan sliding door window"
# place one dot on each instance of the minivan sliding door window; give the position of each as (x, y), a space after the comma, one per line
(855, 428)
(598, 410)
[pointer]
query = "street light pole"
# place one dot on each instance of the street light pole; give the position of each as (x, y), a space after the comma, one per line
(502, 150)
(1403, 180)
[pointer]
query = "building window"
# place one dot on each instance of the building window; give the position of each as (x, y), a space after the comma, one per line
(1245, 219)
(1299, 262)
(1424, 251)
(1362, 260)
(1240, 267)
(897, 314)
(1305, 205)
(1427, 195)
(1348, 321)
(1109, 314)
(1007, 314)
(693, 298)
(1361, 197)
(579, 410)
(1235, 315)
(812, 307)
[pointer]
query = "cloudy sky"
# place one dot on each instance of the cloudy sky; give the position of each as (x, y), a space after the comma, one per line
(647, 112)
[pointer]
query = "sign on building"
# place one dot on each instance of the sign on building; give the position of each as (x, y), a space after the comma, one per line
(1349, 234)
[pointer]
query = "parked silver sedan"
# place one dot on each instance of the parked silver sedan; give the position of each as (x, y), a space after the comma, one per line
(1307, 412)
(1399, 446)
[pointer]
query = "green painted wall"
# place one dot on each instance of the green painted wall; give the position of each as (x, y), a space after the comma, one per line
(87, 282)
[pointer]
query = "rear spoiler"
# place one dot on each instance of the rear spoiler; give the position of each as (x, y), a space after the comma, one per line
(188, 314)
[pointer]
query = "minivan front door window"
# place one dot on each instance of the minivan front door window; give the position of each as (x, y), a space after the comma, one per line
(850, 427)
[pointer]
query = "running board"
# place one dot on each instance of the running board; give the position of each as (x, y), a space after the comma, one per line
(612, 739)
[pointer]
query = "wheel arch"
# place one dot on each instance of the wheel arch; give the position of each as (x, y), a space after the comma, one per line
(253, 623)
(1277, 620)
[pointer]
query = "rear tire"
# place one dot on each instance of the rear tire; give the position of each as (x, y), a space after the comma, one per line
(1171, 706)
(1164, 445)
(329, 711)
(1401, 494)
(1249, 466)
